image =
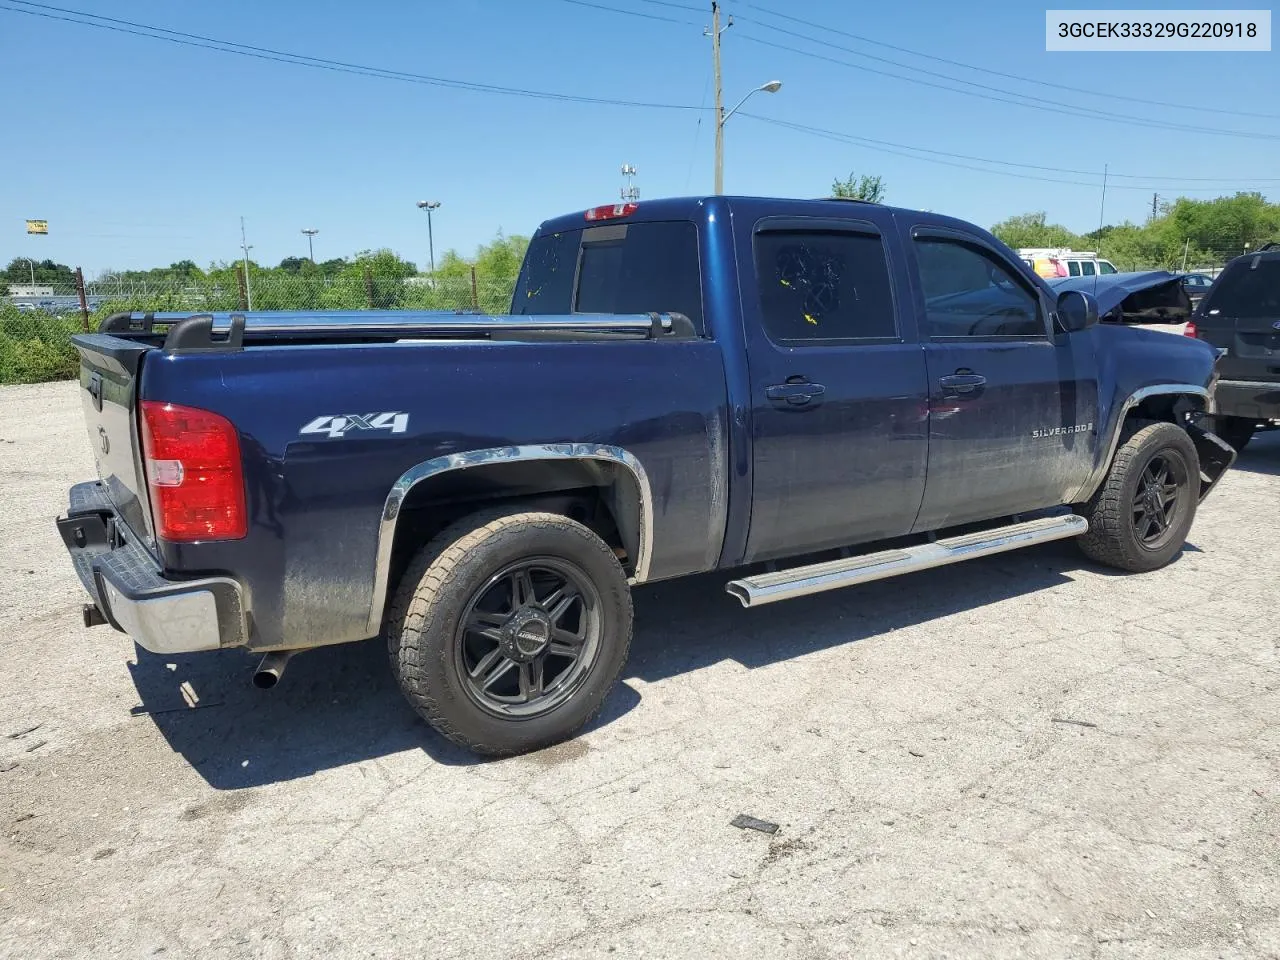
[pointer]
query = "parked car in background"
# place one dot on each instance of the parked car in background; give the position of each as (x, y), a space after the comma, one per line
(1049, 262)
(1196, 285)
(1147, 299)
(1241, 315)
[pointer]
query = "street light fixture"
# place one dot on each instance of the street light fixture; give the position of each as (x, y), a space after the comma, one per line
(310, 232)
(429, 205)
(773, 86)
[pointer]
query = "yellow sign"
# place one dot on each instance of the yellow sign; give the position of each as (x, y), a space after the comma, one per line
(37, 226)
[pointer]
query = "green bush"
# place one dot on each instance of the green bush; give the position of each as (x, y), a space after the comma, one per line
(36, 347)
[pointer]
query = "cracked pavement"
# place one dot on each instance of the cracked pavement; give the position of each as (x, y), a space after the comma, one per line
(1024, 756)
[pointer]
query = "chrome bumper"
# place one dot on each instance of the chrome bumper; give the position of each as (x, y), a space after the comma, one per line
(128, 588)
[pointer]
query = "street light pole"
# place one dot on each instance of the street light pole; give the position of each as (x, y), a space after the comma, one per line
(429, 205)
(310, 232)
(715, 63)
(32, 264)
(773, 86)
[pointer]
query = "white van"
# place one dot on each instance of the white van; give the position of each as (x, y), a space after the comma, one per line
(1050, 262)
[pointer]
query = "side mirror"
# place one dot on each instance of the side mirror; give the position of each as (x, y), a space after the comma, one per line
(1076, 311)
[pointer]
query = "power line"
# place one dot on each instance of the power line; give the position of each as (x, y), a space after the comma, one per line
(632, 13)
(998, 73)
(995, 94)
(1045, 105)
(676, 6)
(296, 59)
(1010, 163)
(900, 149)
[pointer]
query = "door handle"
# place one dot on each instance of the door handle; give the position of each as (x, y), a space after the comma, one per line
(962, 384)
(794, 393)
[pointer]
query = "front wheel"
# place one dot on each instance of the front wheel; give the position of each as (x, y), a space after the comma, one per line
(1140, 517)
(508, 630)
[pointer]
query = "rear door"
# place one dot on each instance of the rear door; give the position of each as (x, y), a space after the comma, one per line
(1241, 312)
(838, 393)
(1012, 407)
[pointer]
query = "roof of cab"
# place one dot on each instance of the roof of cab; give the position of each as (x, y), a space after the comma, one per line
(693, 208)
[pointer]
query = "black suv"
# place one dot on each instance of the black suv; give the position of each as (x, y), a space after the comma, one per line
(1241, 314)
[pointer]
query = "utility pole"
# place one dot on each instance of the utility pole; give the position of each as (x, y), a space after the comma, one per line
(1102, 212)
(1155, 199)
(715, 66)
(310, 232)
(248, 291)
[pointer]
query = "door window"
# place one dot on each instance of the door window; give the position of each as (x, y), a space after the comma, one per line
(823, 285)
(968, 292)
(1073, 267)
(1087, 267)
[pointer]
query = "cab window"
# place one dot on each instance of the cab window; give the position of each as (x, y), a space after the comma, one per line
(970, 292)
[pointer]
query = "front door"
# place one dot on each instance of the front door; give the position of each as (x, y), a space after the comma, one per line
(839, 407)
(1012, 405)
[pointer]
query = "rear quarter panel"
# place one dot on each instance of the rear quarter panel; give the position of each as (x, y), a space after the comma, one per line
(315, 502)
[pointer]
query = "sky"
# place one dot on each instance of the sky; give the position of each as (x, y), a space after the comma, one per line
(141, 152)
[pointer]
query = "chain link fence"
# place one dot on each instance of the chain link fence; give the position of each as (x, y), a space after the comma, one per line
(36, 327)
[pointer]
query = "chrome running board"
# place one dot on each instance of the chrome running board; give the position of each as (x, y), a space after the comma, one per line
(834, 574)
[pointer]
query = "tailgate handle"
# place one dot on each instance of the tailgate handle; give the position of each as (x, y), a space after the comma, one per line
(95, 391)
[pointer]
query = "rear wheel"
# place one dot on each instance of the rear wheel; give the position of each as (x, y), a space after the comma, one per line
(509, 629)
(1140, 517)
(1236, 431)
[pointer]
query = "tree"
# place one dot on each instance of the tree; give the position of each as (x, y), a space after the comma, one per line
(1033, 230)
(867, 187)
(47, 273)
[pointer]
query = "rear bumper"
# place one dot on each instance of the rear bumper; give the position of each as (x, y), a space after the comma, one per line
(1254, 399)
(127, 586)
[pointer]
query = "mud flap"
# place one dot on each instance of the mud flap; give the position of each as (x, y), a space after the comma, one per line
(1216, 455)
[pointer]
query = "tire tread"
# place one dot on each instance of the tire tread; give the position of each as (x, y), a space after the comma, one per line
(418, 595)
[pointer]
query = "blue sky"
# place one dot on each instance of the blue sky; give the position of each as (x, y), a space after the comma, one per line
(141, 152)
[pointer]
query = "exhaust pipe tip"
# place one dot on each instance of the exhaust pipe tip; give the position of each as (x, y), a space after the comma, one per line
(271, 669)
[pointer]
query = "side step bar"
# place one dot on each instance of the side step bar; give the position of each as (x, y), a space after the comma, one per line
(834, 574)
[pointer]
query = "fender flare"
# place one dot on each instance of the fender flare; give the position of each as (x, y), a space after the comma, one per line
(1202, 395)
(471, 458)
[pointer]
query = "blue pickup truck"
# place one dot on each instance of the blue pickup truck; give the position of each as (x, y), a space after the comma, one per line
(685, 385)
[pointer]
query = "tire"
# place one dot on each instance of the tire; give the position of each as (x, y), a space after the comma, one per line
(465, 652)
(1121, 517)
(1236, 431)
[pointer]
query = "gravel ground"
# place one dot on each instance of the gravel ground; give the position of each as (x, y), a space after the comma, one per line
(1022, 756)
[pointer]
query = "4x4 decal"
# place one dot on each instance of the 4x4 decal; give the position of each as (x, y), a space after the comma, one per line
(341, 424)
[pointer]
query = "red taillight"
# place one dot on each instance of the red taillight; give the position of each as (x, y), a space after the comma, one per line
(1191, 330)
(611, 211)
(192, 459)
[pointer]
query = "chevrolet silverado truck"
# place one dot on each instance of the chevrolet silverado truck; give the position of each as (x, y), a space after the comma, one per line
(1240, 316)
(805, 394)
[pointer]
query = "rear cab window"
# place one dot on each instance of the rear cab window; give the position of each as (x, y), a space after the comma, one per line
(617, 268)
(1247, 292)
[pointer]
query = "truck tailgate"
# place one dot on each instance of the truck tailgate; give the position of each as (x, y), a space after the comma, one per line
(109, 369)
